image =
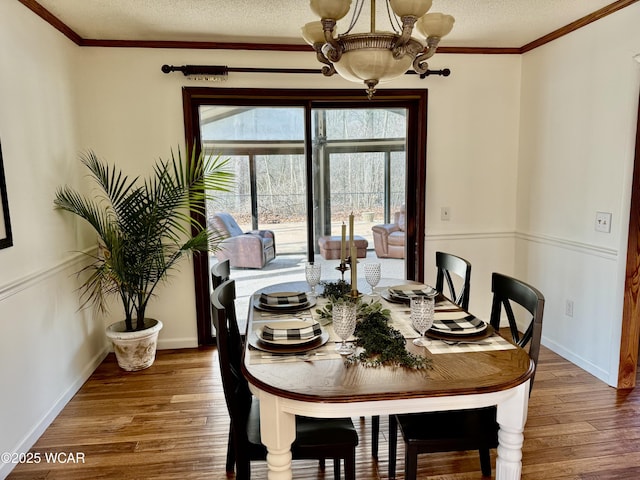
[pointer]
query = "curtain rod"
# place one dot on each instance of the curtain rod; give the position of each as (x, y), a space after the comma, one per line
(220, 72)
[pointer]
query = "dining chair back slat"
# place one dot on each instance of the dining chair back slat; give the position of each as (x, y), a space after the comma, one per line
(448, 264)
(220, 272)
(507, 291)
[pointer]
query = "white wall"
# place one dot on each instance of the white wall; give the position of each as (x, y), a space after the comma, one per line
(577, 136)
(472, 150)
(47, 347)
(573, 134)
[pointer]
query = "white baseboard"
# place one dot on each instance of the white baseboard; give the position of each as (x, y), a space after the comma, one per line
(174, 343)
(587, 366)
(39, 428)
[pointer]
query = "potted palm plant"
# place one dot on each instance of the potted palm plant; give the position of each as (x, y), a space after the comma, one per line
(144, 229)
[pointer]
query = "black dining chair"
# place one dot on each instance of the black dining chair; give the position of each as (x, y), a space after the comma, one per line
(220, 272)
(448, 265)
(474, 429)
(315, 438)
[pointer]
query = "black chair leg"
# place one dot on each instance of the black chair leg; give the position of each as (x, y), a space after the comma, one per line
(393, 445)
(336, 469)
(410, 463)
(375, 433)
(243, 467)
(231, 457)
(485, 462)
(350, 465)
(321, 464)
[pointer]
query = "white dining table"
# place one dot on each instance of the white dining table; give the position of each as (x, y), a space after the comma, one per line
(326, 387)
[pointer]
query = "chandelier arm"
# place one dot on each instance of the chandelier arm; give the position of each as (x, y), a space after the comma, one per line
(332, 45)
(407, 29)
(430, 50)
(328, 69)
(420, 64)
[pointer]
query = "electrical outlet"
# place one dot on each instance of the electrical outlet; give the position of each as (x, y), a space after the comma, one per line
(445, 214)
(568, 308)
(603, 222)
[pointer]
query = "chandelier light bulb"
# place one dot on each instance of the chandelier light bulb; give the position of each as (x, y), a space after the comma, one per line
(413, 8)
(335, 9)
(313, 33)
(435, 25)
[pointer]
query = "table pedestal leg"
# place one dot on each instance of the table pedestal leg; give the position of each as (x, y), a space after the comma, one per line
(512, 416)
(278, 431)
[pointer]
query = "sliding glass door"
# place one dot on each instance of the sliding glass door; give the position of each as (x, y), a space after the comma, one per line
(303, 162)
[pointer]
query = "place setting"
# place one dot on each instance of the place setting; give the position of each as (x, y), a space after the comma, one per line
(403, 293)
(284, 302)
(294, 339)
(452, 332)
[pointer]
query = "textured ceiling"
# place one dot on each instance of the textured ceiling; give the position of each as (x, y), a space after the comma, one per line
(479, 23)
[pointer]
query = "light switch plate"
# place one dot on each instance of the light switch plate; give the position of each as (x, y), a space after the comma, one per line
(603, 222)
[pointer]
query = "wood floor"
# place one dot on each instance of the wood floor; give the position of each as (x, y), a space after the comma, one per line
(170, 422)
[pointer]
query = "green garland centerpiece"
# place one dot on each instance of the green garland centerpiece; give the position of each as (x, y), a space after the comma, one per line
(380, 344)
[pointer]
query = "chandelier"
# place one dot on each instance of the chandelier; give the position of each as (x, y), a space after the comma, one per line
(376, 56)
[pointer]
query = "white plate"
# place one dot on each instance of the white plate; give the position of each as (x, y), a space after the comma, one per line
(288, 342)
(478, 327)
(258, 343)
(401, 289)
(284, 308)
(283, 305)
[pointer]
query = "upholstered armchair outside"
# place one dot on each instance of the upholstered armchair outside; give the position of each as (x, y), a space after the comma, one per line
(389, 238)
(253, 249)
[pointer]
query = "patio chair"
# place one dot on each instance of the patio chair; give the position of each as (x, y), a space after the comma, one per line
(252, 249)
(389, 238)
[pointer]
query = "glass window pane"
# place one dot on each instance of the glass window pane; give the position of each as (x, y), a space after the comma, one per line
(238, 200)
(229, 123)
(376, 123)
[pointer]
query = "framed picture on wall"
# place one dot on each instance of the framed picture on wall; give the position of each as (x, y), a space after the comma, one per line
(6, 240)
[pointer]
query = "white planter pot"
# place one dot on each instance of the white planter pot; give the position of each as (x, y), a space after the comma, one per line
(135, 350)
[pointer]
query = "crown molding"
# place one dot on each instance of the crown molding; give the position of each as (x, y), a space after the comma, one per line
(52, 20)
(47, 16)
(581, 22)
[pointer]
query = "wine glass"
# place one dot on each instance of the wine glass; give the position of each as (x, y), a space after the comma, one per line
(344, 324)
(372, 275)
(422, 310)
(312, 271)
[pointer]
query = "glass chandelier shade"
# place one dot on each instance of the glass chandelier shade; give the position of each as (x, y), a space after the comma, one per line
(375, 57)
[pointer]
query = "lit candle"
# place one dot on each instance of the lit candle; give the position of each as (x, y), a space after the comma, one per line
(343, 244)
